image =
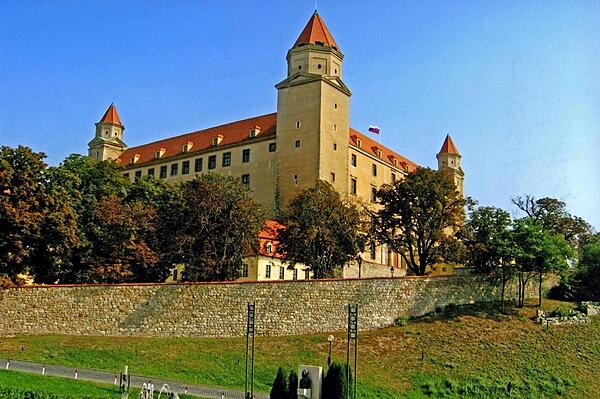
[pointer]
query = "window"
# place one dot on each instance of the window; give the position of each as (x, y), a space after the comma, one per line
(353, 186)
(393, 177)
(332, 177)
(198, 165)
(185, 148)
(335, 105)
(374, 170)
(272, 147)
(281, 273)
(372, 250)
(269, 248)
(297, 124)
(151, 172)
(138, 174)
(353, 157)
(226, 159)
(246, 181)
(295, 277)
(246, 155)
(295, 179)
(335, 127)
(174, 168)
(268, 271)
(163, 172)
(334, 147)
(126, 175)
(212, 162)
(373, 194)
(244, 270)
(185, 167)
(358, 143)
(297, 144)
(306, 274)
(175, 274)
(215, 141)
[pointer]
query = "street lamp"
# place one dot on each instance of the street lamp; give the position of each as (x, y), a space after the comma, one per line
(359, 261)
(392, 270)
(330, 339)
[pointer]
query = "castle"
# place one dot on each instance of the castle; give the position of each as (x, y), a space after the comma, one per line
(279, 154)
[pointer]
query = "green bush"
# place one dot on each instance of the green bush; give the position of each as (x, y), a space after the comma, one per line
(402, 321)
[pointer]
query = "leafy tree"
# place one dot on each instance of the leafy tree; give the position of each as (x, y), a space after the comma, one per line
(321, 230)
(554, 218)
(279, 389)
(336, 384)
(36, 219)
(212, 224)
(122, 237)
(583, 282)
(293, 385)
(537, 252)
(417, 214)
(87, 182)
(489, 243)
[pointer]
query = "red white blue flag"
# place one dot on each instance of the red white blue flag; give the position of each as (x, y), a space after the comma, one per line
(374, 129)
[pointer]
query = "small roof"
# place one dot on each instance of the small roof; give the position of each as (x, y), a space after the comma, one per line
(316, 31)
(111, 116)
(448, 147)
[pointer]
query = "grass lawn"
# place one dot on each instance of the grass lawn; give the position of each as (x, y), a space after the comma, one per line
(464, 352)
(56, 386)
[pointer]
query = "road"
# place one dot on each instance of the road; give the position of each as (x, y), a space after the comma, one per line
(105, 377)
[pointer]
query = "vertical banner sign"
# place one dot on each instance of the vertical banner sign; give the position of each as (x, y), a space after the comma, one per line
(352, 337)
(250, 332)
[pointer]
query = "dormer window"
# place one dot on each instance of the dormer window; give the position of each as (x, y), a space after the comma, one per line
(217, 140)
(358, 143)
(377, 151)
(187, 146)
(269, 247)
(158, 154)
(255, 131)
(134, 159)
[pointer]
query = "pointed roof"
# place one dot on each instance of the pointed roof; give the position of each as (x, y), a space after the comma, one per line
(316, 31)
(448, 146)
(111, 116)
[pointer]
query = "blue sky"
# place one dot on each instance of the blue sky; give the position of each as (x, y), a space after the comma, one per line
(515, 83)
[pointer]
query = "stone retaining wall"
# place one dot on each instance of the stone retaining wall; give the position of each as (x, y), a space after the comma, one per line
(219, 309)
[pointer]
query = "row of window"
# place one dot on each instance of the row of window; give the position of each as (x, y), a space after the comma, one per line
(185, 170)
(281, 272)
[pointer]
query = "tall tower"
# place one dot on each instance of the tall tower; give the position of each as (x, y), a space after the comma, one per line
(312, 115)
(449, 164)
(108, 142)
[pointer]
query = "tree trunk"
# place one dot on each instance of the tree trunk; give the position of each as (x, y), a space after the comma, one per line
(540, 290)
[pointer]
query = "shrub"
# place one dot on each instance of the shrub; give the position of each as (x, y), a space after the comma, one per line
(279, 389)
(402, 321)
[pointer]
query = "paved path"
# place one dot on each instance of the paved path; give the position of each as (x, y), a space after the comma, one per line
(112, 378)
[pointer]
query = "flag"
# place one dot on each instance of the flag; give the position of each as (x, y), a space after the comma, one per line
(374, 129)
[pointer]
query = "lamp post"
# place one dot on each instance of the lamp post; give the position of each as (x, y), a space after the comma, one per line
(359, 261)
(392, 270)
(330, 339)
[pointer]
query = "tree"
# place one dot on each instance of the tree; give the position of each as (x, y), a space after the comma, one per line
(489, 243)
(87, 182)
(554, 218)
(417, 214)
(293, 385)
(321, 230)
(212, 226)
(36, 218)
(121, 242)
(279, 389)
(587, 285)
(336, 384)
(537, 252)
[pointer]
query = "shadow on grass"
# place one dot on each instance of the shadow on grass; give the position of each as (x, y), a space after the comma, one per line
(485, 310)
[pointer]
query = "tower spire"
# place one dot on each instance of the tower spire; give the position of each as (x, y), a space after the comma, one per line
(315, 32)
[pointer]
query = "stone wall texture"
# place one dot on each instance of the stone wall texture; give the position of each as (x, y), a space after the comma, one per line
(219, 309)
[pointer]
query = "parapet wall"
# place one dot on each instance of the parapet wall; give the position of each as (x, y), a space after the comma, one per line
(219, 309)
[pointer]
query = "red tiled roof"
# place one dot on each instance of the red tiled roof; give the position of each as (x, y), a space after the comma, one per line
(238, 132)
(316, 31)
(269, 235)
(232, 133)
(371, 147)
(111, 116)
(448, 146)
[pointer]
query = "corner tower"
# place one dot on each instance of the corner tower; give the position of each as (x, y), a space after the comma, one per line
(108, 142)
(449, 164)
(312, 115)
